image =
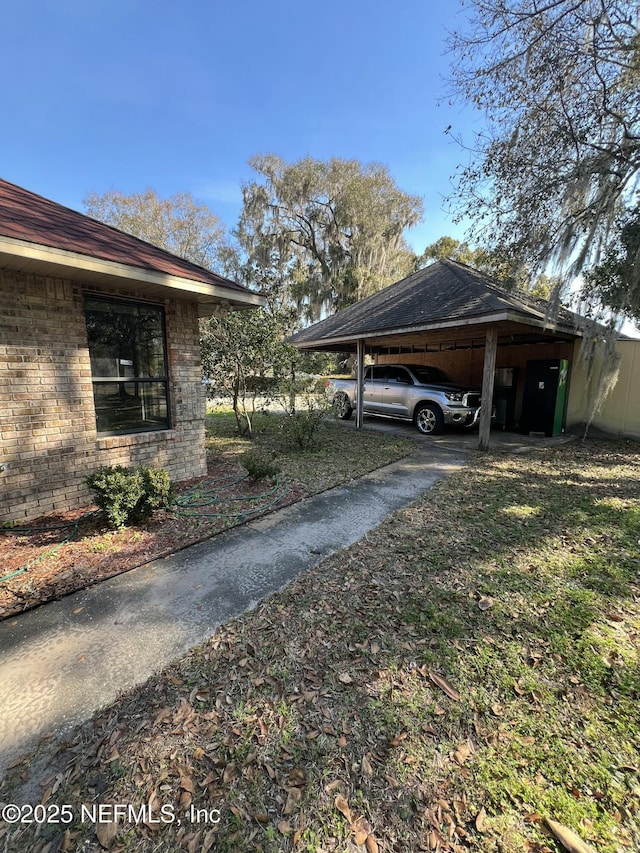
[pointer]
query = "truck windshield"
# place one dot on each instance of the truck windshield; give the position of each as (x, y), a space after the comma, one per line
(430, 375)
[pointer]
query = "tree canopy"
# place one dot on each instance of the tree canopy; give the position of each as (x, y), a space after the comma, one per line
(333, 231)
(493, 262)
(609, 280)
(179, 224)
(558, 82)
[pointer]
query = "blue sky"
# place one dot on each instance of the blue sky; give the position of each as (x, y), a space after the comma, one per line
(130, 94)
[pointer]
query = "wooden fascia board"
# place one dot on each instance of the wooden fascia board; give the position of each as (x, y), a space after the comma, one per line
(113, 269)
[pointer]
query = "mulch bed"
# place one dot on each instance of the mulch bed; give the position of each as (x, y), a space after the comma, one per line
(94, 552)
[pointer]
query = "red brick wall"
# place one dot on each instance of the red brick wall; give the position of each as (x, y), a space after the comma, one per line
(48, 438)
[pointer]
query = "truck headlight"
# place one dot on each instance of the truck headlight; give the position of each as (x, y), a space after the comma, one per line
(454, 396)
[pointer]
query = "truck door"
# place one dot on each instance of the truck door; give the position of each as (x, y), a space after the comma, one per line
(373, 382)
(396, 390)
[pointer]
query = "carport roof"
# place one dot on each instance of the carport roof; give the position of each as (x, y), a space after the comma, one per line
(445, 295)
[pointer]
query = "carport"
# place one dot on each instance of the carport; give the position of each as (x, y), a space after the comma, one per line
(454, 317)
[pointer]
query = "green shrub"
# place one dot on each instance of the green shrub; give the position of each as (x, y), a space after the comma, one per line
(260, 466)
(303, 418)
(158, 492)
(130, 496)
(300, 428)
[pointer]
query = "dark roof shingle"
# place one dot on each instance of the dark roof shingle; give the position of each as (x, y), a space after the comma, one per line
(442, 292)
(35, 219)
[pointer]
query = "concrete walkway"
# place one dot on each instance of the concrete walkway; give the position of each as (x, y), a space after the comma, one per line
(63, 661)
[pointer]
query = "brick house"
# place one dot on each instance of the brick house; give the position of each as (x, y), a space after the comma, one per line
(99, 354)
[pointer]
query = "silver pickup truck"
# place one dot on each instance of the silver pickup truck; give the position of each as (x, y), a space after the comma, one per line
(418, 393)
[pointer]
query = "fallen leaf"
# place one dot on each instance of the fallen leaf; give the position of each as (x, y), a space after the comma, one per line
(106, 833)
(154, 806)
(375, 648)
(462, 753)
(485, 602)
(569, 840)
(238, 812)
(284, 828)
(293, 798)
(367, 769)
(532, 817)
(444, 685)
(229, 773)
(194, 845)
(396, 740)
(207, 841)
(187, 785)
(480, 820)
(372, 845)
(343, 807)
(345, 678)
(297, 777)
(360, 837)
(361, 830)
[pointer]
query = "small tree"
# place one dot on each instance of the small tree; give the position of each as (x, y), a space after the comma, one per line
(243, 357)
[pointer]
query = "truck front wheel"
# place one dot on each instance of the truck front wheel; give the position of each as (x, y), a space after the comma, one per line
(342, 407)
(429, 419)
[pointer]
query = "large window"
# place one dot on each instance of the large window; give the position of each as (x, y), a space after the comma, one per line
(128, 365)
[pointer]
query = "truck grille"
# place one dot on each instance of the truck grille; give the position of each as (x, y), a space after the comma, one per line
(472, 401)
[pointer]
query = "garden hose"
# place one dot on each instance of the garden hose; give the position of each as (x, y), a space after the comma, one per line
(203, 501)
(26, 530)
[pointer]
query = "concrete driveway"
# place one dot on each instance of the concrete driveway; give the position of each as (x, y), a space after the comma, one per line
(461, 440)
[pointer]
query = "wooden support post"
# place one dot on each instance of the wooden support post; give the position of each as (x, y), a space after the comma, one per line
(360, 384)
(488, 376)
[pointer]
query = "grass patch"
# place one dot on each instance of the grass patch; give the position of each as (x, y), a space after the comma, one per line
(336, 456)
(446, 689)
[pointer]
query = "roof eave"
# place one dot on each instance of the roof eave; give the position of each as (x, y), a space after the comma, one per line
(506, 316)
(46, 260)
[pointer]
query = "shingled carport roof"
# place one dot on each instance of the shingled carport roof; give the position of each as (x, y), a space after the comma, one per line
(443, 298)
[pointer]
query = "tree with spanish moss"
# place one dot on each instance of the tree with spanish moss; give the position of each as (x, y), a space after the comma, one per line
(333, 231)
(558, 82)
